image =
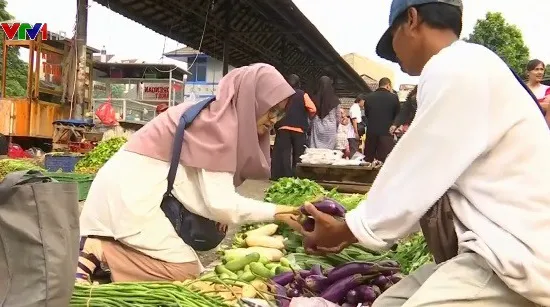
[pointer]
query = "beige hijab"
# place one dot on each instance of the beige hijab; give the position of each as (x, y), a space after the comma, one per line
(224, 137)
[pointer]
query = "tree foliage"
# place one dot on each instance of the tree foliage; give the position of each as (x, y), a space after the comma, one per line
(505, 39)
(16, 69)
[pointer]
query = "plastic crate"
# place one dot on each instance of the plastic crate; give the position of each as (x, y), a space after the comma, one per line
(65, 163)
(83, 181)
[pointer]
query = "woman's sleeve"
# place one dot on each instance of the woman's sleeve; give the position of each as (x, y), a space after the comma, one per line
(227, 206)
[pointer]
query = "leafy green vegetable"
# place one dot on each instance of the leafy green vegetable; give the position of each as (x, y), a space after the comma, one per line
(14, 165)
(95, 159)
(293, 191)
(412, 253)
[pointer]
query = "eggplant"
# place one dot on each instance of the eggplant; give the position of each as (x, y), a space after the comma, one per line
(352, 297)
(292, 293)
(327, 206)
(304, 273)
(366, 293)
(337, 291)
(376, 290)
(316, 269)
(308, 224)
(382, 282)
(316, 283)
(389, 263)
(395, 278)
(365, 268)
(283, 279)
(280, 296)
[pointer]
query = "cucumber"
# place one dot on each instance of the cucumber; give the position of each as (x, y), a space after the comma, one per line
(224, 276)
(247, 276)
(239, 273)
(274, 271)
(284, 262)
(226, 259)
(260, 270)
(221, 269)
(208, 275)
(239, 264)
(264, 260)
(247, 268)
(271, 265)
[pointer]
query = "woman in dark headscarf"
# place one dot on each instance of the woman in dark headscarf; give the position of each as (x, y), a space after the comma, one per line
(406, 115)
(324, 125)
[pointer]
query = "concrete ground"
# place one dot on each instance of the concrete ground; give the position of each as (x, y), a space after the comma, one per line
(251, 188)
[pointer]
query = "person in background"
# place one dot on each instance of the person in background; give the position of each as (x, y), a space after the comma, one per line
(381, 108)
(325, 123)
(406, 114)
(161, 108)
(4, 146)
(342, 142)
(480, 141)
(122, 223)
(357, 124)
(290, 138)
(535, 74)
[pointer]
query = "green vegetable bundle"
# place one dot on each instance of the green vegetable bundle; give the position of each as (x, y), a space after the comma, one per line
(14, 165)
(144, 294)
(95, 159)
(412, 253)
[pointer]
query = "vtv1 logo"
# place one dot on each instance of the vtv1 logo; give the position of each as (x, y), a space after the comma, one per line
(26, 31)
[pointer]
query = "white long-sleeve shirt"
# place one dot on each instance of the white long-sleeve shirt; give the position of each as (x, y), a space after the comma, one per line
(478, 133)
(124, 203)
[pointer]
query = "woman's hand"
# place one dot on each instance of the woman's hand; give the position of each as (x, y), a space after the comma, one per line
(288, 215)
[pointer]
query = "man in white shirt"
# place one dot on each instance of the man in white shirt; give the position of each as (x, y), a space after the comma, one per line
(479, 138)
(357, 124)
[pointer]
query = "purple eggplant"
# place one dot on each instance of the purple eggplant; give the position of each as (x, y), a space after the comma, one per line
(365, 268)
(283, 279)
(316, 269)
(327, 206)
(366, 293)
(280, 296)
(304, 273)
(308, 224)
(395, 278)
(352, 297)
(389, 263)
(292, 293)
(382, 282)
(316, 283)
(337, 291)
(376, 290)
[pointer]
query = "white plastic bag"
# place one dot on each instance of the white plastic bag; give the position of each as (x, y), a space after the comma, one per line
(311, 302)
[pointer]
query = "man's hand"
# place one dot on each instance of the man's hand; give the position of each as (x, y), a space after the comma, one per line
(330, 235)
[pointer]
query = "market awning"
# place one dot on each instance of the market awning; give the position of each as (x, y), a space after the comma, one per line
(251, 31)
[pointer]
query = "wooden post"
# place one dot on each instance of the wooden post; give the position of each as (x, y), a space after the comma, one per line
(81, 38)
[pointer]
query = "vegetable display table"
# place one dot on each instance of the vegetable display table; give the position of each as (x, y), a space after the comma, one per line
(345, 178)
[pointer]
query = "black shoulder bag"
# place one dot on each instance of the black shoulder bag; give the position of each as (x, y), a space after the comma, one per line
(196, 231)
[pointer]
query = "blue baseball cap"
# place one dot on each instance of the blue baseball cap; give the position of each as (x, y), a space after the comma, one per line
(384, 49)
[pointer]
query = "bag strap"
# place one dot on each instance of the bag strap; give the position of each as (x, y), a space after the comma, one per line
(185, 121)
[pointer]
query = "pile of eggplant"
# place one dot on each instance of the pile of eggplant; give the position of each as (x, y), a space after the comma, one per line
(351, 284)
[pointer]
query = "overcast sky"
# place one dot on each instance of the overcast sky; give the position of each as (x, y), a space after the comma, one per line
(349, 25)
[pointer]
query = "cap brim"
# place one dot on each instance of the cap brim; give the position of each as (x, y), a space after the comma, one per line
(384, 49)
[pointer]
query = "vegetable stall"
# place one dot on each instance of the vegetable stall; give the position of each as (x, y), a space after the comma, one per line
(267, 265)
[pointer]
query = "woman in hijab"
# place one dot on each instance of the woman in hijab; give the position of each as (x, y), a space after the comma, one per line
(324, 126)
(122, 223)
(405, 116)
